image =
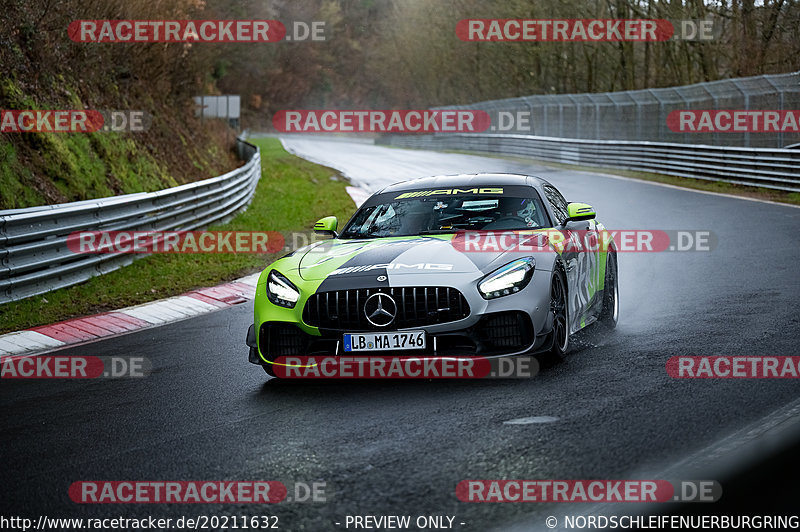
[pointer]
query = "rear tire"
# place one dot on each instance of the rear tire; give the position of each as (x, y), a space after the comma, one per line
(609, 315)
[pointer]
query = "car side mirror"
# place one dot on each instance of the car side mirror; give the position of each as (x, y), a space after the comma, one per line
(327, 225)
(577, 212)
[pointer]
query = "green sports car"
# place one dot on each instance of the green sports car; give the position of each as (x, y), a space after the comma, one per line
(463, 265)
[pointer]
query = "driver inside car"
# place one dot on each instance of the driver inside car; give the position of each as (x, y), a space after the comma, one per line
(517, 209)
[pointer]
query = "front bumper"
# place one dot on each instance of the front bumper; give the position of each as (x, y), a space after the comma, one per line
(516, 324)
(497, 334)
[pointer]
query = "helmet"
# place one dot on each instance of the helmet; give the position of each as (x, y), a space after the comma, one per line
(515, 207)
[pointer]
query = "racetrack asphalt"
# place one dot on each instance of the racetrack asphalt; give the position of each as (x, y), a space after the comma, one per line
(400, 447)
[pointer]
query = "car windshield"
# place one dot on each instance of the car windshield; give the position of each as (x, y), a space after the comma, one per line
(433, 215)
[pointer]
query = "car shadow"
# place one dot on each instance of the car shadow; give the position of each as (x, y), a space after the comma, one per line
(583, 342)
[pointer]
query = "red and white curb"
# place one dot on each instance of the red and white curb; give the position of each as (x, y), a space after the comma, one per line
(153, 314)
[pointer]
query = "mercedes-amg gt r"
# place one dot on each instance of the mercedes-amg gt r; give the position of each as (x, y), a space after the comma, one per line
(463, 265)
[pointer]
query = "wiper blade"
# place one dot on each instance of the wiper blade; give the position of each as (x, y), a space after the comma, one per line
(366, 236)
(439, 231)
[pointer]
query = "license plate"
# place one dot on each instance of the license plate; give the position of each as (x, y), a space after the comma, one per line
(393, 341)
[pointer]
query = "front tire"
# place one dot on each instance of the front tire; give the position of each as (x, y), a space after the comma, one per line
(560, 311)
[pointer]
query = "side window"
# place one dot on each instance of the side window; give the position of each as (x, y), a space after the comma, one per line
(557, 202)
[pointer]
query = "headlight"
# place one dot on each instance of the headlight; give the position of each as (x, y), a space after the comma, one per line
(281, 291)
(509, 279)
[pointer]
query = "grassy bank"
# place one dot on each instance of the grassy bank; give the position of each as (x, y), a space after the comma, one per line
(291, 195)
(47, 168)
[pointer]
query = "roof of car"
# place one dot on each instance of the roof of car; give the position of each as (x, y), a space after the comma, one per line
(464, 180)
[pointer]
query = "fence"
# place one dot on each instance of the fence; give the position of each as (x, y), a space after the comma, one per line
(34, 257)
(641, 115)
(762, 167)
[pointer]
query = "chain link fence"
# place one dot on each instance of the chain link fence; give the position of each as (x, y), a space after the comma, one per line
(778, 169)
(641, 115)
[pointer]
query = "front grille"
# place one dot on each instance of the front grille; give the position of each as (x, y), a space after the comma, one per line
(343, 310)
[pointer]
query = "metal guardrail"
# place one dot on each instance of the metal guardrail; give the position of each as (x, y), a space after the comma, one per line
(772, 168)
(34, 257)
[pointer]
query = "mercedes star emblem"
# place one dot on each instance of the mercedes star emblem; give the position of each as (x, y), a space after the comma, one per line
(380, 309)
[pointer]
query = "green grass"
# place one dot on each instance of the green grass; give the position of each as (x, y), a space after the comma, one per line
(16, 181)
(45, 168)
(291, 195)
(75, 166)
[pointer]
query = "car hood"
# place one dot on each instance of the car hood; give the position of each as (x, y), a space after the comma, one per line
(391, 257)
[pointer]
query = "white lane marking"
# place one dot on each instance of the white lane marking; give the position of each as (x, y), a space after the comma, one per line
(359, 195)
(758, 437)
(775, 422)
(530, 420)
(677, 187)
(724, 456)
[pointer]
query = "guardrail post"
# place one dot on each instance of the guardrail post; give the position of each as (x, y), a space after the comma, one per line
(746, 96)
(781, 96)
